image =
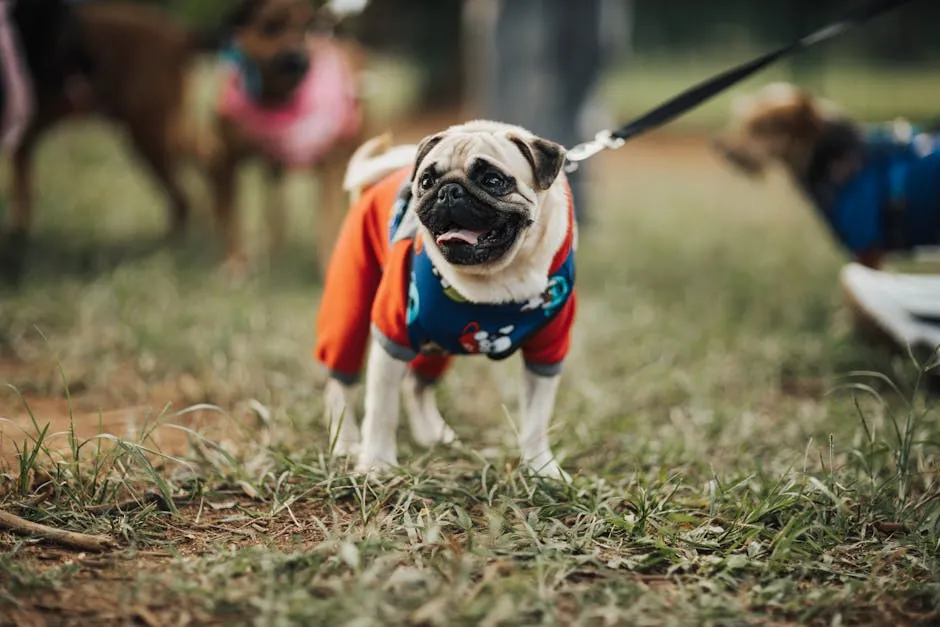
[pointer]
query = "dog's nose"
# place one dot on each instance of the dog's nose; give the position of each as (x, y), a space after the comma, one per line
(292, 63)
(451, 193)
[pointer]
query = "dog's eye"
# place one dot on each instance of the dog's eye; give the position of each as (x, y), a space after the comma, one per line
(494, 182)
(426, 181)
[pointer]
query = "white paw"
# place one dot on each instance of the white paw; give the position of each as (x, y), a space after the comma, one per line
(376, 461)
(545, 466)
(345, 447)
(429, 436)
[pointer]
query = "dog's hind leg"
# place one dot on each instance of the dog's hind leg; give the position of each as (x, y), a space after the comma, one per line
(14, 244)
(427, 426)
(22, 184)
(156, 146)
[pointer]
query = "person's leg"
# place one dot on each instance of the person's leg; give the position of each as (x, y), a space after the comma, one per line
(577, 26)
(547, 53)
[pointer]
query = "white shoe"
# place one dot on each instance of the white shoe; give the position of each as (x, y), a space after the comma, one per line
(903, 307)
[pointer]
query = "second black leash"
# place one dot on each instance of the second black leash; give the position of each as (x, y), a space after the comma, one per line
(697, 94)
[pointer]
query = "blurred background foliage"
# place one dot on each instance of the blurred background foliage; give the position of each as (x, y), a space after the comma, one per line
(888, 68)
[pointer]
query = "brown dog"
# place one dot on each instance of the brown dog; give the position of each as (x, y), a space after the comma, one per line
(135, 68)
(877, 188)
(290, 99)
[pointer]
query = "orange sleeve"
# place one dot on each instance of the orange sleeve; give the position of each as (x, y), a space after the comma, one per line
(546, 350)
(352, 280)
(391, 302)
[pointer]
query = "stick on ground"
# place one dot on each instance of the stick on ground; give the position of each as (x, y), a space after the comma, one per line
(72, 539)
(137, 503)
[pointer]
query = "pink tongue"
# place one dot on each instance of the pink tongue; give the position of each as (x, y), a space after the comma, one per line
(460, 235)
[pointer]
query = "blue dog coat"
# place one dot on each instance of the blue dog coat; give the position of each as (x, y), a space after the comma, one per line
(436, 320)
(892, 203)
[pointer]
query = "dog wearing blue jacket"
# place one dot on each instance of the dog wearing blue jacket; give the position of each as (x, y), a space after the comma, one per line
(877, 188)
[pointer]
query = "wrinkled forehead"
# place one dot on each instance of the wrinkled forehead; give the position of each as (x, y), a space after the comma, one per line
(773, 99)
(281, 12)
(461, 151)
(758, 109)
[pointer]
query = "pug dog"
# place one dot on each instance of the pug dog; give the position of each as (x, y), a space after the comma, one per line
(467, 250)
(876, 187)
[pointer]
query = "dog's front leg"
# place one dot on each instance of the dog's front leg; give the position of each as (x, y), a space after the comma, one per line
(384, 376)
(276, 209)
(538, 402)
(341, 418)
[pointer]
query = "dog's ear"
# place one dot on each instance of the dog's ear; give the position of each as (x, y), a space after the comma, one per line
(426, 145)
(807, 120)
(545, 157)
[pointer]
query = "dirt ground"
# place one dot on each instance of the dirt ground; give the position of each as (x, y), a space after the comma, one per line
(102, 591)
(90, 412)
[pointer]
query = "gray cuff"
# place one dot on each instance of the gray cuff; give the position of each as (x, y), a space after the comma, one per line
(544, 370)
(397, 351)
(344, 377)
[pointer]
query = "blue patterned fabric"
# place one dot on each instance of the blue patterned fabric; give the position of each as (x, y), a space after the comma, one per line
(441, 320)
(893, 202)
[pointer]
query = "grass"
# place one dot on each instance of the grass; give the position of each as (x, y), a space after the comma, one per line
(870, 93)
(739, 457)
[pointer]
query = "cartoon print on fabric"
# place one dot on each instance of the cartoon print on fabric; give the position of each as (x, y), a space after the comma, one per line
(554, 296)
(449, 289)
(477, 340)
(462, 327)
(414, 301)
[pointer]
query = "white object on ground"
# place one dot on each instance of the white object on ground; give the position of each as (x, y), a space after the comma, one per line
(905, 306)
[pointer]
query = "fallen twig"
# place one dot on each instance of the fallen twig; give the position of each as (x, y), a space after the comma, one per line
(38, 499)
(132, 504)
(72, 539)
(892, 527)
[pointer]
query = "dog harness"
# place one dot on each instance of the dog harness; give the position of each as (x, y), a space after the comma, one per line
(892, 203)
(438, 319)
(16, 98)
(323, 110)
(382, 279)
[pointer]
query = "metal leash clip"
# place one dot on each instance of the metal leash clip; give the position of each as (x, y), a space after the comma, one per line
(604, 140)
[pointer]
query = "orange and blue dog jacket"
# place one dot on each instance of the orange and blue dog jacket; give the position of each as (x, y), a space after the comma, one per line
(381, 281)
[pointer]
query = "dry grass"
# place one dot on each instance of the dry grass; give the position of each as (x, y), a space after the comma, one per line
(729, 467)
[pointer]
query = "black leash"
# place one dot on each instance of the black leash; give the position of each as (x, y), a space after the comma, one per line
(697, 94)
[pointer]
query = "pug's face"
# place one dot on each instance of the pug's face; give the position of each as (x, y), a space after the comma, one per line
(479, 188)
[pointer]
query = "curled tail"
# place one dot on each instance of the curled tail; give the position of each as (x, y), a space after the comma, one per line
(374, 160)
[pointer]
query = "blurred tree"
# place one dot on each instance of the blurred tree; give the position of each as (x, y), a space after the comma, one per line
(431, 33)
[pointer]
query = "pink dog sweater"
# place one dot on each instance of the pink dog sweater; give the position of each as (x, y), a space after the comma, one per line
(323, 110)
